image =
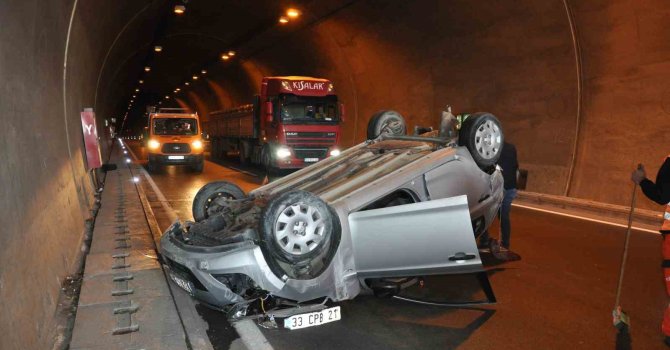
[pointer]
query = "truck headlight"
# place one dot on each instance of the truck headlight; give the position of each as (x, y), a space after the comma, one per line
(197, 144)
(153, 144)
(334, 153)
(283, 152)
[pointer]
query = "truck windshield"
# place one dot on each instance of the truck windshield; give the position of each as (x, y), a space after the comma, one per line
(301, 109)
(175, 126)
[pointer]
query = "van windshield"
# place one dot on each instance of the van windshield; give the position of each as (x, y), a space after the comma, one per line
(175, 126)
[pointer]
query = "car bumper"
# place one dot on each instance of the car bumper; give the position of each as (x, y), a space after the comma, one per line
(188, 159)
(200, 266)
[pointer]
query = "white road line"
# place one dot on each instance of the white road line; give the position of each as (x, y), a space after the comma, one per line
(584, 218)
(249, 333)
(172, 214)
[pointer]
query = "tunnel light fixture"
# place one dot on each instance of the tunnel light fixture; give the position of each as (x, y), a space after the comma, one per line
(293, 13)
(283, 20)
(136, 179)
(203, 72)
(141, 81)
(160, 102)
(187, 83)
(158, 48)
(195, 77)
(167, 97)
(134, 96)
(147, 69)
(127, 160)
(225, 57)
(231, 53)
(137, 90)
(177, 89)
(179, 9)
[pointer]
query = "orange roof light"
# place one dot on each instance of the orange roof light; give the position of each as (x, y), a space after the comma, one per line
(283, 20)
(179, 9)
(293, 13)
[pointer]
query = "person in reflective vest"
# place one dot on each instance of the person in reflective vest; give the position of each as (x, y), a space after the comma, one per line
(659, 192)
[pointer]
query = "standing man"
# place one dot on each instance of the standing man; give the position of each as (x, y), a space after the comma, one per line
(509, 164)
(659, 192)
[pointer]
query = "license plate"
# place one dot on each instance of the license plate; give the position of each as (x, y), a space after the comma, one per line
(313, 318)
(311, 160)
(184, 284)
(175, 157)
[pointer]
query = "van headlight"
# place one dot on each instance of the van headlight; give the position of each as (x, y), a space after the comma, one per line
(334, 153)
(197, 144)
(153, 144)
(283, 152)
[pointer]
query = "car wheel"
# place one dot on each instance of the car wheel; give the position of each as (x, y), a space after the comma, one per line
(199, 167)
(208, 200)
(386, 122)
(152, 167)
(482, 135)
(300, 232)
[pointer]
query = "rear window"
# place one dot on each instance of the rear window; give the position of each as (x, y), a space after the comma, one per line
(175, 126)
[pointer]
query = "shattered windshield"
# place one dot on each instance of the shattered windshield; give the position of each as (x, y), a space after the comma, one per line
(175, 126)
(308, 109)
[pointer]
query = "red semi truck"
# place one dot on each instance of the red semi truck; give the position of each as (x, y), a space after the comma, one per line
(293, 123)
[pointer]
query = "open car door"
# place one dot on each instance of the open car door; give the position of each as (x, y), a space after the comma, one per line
(418, 239)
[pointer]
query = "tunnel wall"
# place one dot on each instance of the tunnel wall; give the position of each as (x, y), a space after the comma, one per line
(570, 81)
(46, 192)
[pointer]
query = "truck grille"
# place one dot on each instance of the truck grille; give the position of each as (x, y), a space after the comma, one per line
(302, 153)
(176, 148)
(306, 137)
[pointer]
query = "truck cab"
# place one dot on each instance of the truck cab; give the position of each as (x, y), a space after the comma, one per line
(302, 117)
(175, 138)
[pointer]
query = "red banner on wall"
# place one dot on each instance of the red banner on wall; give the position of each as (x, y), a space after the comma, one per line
(93, 157)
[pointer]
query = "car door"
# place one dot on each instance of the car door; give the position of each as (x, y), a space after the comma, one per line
(432, 237)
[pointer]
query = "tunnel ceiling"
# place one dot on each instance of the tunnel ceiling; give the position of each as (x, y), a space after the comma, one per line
(195, 41)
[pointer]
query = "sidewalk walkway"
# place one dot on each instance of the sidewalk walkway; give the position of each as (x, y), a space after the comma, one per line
(125, 302)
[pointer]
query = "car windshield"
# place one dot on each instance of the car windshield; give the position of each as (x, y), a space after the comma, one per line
(308, 109)
(175, 126)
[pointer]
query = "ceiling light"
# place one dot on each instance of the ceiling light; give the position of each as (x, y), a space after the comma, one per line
(177, 89)
(203, 71)
(293, 13)
(137, 90)
(141, 81)
(158, 48)
(179, 9)
(283, 20)
(195, 77)
(146, 69)
(187, 83)
(167, 97)
(134, 96)
(160, 102)
(231, 53)
(225, 57)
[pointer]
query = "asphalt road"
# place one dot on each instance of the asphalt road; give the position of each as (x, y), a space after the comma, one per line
(559, 296)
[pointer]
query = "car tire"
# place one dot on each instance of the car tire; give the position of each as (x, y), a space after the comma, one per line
(386, 122)
(482, 134)
(199, 167)
(300, 233)
(204, 200)
(152, 167)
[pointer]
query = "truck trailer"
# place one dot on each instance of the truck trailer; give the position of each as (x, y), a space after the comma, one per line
(294, 122)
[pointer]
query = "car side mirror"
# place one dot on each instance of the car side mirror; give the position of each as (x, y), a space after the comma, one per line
(342, 114)
(268, 112)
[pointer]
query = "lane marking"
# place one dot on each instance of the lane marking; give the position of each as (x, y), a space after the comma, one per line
(249, 332)
(172, 214)
(585, 218)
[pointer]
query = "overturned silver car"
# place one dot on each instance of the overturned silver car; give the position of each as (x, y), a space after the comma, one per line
(372, 219)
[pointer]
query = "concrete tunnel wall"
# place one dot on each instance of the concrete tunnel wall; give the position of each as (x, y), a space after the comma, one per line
(587, 78)
(516, 59)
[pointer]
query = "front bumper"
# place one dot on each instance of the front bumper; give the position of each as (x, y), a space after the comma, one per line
(189, 159)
